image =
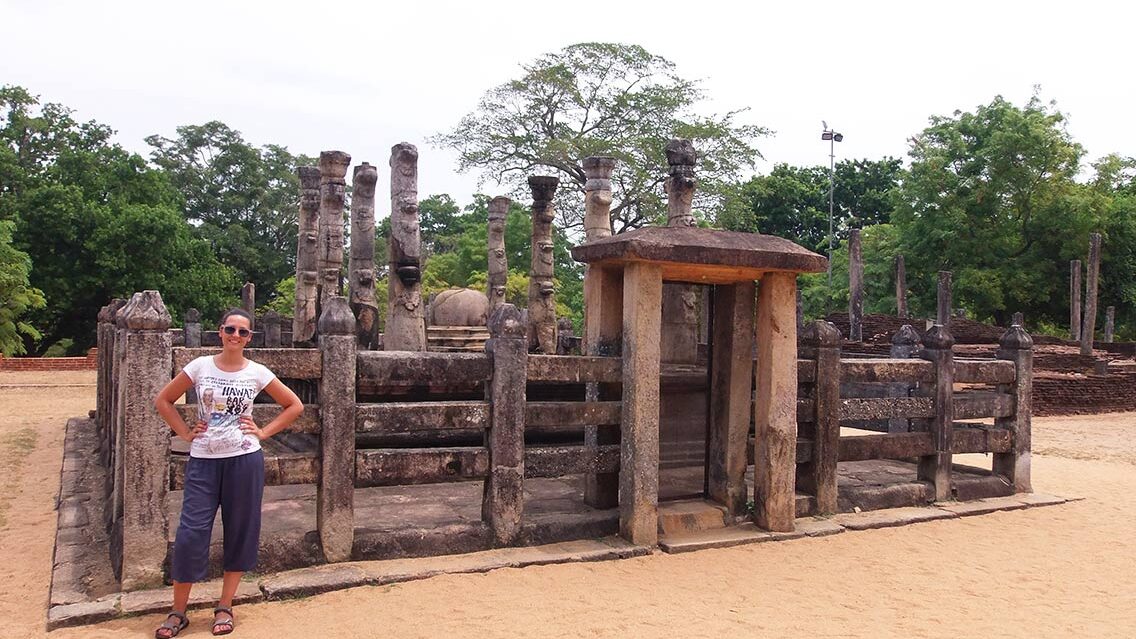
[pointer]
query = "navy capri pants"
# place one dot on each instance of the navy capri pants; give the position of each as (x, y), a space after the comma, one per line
(236, 484)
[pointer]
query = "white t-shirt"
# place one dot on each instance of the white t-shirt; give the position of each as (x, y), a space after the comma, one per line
(222, 398)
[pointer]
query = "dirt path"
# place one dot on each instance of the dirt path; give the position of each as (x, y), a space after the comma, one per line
(1047, 572)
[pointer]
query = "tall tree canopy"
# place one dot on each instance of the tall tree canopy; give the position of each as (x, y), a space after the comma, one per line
(240, 198)
(601, 99)
(96, 222)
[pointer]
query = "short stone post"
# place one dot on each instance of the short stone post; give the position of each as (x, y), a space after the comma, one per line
(775, 404)
(146, 370)
(118, 423)
(1109, 323)
(1089, 325)
(1017, 346)
(1017, 319)
(639, 450)
(731, 379)
(406, 320)
(504, 495)
(361, 266)
(307, 263)
(498, 260)
(855, 288)
(248, 298)
(335, 491)
(192, 330)
(542, 299)
(329, 251)
(680, 302)
(821, 343)
(936, 467)
(1075, 300)
(106, 382)
(900, 287)
(270, 324)
(943, 312)
(905, 344)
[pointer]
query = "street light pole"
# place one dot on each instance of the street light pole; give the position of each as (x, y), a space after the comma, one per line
(833, 137)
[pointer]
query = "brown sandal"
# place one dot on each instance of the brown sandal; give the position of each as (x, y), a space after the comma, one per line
(170, 629)
(223, 627)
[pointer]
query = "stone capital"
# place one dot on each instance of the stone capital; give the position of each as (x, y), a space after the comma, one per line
(337, 318)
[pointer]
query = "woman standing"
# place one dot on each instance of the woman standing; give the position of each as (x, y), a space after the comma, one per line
(225, 468)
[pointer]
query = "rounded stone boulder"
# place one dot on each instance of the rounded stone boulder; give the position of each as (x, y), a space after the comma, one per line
(459, 307)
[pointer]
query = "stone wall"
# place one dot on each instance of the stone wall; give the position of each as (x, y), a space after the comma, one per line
(50, 364)
(1057, 394)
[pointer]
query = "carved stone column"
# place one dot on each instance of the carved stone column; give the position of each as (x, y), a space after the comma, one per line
(1089, 325)
(542, 298)
(900, 287)
(1075, 300)
(406, 322)
(855, 288)
(248, 298)
(680, 302)
(498, 261)
(307, 268)
(333, 189)
(361, 267)
(335, 487)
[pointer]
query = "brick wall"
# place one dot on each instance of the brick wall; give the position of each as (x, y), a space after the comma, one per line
(1055, 394)
(47, 364)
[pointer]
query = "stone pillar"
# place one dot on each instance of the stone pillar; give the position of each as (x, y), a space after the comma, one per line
(361, 266)
(1017, 346)
(936, 467)
(498, 260)
(900, 287)
(146, 370)
(680, 302)
(597, 197)
(335, 490)
(1075, 300)
(192, 330)
(775, 404)
(731, 381)
(271, 327)
(905, 344)
(329, 257)
(1089, 325)
(307, 262)
(105, 382)
(821, 343)
(855, 288)
(248, 298)
(943, 314)
(1109, 323)
(639, 452)
(1017, 319)
(542, 299)
(118, 423)
(406, 323)
(504, 495)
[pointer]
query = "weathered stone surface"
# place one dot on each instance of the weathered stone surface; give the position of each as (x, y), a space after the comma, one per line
(900, 286)
(855, 287)
(739, 535)
(597, 196)
(748, 254)
(335, 492)
(691, 515)
(329, 252)
(398, 466)
(1088, 326)
(296, 363)
(406, 327)
(79, 614)
(943, 312)
(936, 467)
(498, 273)
(248, 298)
(503, 500)
(361, 266)
(203, 596)
(574, 369)
(542, 299)
(981, 506)
(730, 405)
(377, 369)
(816, 527)
(1075, 300)
(817, 476)
(885, 370)
(890, 518)
(775, 403)
(1038, 499)
(270, 325)
(571, 415)
(147, 312)
(557, 461)
(404, 417)
(1016, 346)
(307, 264)
(459, 307)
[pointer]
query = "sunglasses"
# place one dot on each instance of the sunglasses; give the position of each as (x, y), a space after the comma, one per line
(243, 332)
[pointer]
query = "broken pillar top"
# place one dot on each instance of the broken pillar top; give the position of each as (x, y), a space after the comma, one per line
(702, 256)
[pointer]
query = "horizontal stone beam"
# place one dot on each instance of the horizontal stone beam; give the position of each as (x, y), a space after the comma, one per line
(981, 440)
(405, 417)
(405, 466)
(383, 369)
(307, 422)
(979, 405)
(804, 450)
(279, 470)
(288, 363)
(892, 446)
(983, 371)
(887, 408)
(886, 370)
(556, 461)
(568, 415)
(574, 369)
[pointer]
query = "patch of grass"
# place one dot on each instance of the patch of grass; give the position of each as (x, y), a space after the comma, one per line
(19, 445)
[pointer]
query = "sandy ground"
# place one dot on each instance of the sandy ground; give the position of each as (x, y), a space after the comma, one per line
(1063, 571)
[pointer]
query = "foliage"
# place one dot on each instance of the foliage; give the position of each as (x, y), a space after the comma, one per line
(242, 199)
(601, 99)
(991, 196)
(17, 296)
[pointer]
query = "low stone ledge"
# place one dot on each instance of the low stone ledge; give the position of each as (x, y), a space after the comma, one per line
(891, 517)
(79, 614)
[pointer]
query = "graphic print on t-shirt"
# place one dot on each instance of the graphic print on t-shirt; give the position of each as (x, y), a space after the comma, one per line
(220, 405)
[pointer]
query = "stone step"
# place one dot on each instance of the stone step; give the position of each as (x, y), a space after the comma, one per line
(690, 515)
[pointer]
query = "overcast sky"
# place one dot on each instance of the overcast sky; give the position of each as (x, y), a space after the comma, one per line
(361, 77)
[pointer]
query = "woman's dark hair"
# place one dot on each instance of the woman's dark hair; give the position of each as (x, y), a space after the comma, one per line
(240, 312)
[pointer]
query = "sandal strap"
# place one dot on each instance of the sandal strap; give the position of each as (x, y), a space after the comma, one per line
(226, 610)
(180, 616)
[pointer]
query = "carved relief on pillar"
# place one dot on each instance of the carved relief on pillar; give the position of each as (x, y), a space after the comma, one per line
(406, 327)
(542, 299)
(498, 262)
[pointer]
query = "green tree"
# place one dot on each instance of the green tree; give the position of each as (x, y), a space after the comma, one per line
(991, 196)
(601, 99)
(242, 199)
(17, 296)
